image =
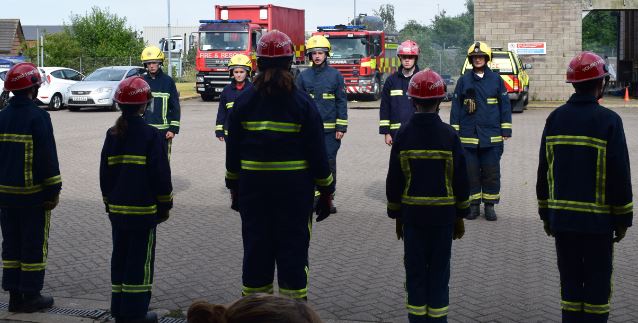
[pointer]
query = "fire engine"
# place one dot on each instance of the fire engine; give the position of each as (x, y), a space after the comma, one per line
(364, 57)
(236, 30)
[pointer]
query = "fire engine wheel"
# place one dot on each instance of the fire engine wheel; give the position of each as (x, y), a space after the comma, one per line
(207, 97)
(376, 90)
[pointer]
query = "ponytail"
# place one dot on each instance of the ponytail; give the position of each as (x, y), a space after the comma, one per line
(121, 124)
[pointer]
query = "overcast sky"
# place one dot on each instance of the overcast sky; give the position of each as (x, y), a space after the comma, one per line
(141, 13)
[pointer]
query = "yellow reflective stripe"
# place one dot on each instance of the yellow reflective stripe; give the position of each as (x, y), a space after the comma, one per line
(324, 181)
(475, 197)
(27, 140)
(628, 208)
(574, 206)
(342, 122)
(329, 125)
(277, 165)
(293, 293)
(428, 200)
(396, 92)
(21, 190)
(571, 306)
(437, 312)
(160, 126)
(127, 159)
(384, 123)
(164, 97)
(416, 310)
(506, 126)
(133, 210)
(116, 288)
(144, 288)
(230, 105)
(272, 126)
(577, 140)
(148, 263)
(496, 139)
(13, 137)
(395, 126)
(311, 95)
(426, 154)
(596, 309)
(225, 132)
(33, 266)
(245, 291)
(394, 206)
(467, 140)
(45, 240)
(492, 101)
(52, 180)
(175, 123)
(463, 204)
(456, 127)
(487, 196)
(219, 127)
(164, 198)
(328, 96)
(231, 175)
(10, 264)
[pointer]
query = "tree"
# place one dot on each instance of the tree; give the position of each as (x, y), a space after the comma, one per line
(386, 13)
(600, 32)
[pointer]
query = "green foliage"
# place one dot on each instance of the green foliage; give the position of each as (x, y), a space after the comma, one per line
(61, 49)
(600, 32)
(386, 13)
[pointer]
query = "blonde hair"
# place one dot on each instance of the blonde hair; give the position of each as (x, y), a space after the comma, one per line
(258, 308)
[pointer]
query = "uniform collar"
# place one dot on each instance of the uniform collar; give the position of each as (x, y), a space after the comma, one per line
(321, 67)
(157, 75)
(20, 101)
(416, 70)
(582, 98)
(486, 72)
(426, 118)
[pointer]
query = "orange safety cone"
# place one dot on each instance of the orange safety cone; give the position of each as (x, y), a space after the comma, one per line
(626, 94)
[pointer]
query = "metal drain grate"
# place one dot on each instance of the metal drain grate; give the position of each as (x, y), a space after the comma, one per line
(171, 320)
(94, 314)
(4, 306)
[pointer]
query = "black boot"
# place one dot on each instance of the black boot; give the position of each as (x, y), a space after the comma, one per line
(474, 212)
(15, 301)
(34, 302)
(490, 214)
(150, 317)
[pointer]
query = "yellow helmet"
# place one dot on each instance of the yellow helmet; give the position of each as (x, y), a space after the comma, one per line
(152, 54)
(480, 49)
(240, 60)
(317, 43)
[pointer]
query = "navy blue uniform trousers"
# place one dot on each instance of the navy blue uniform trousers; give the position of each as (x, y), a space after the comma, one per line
(427, 269)
(332, 147)
(25, 235)
(585, 266)
(132, 266)
(484, 173)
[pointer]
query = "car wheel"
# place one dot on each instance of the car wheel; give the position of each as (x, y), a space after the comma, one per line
(56, 102)
(74, 108)
(517, 106)
(114, 107)
(4, 99)
(526, 100)
(207, 97)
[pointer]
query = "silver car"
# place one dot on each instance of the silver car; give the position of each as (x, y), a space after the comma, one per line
(98, 88)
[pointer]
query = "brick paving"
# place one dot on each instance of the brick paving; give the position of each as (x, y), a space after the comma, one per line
(501, 272)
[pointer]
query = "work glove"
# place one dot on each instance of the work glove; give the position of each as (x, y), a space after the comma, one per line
(162, 216)
(322, 209)
(459, 229)
(470, 105)
(234, 200)
(620, 232)
(547, 229)
(399, 228)
(50, 205)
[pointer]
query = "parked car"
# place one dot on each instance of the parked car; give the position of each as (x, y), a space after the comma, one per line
(98, 88)
(449, 84)
(4, 95)
(55, 84)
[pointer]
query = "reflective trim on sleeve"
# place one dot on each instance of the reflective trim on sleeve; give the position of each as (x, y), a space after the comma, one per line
(456, 127)
(52, 180)
(219, 127)
(175, 123)
(492, 101)
(394, 206)
(496, 139)
(396, 92)
(230, 105)
(328, 96)
(165, 198)
(231, 175)
(394, 126)
(463, 204)
(384, 123)
(324, 181)
(342, 122)
(467, 140)
(506, 126)
(329, 125)
(625, 209)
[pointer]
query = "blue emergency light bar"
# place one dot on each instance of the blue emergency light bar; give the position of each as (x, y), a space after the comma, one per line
(218, 21)
(340, 28)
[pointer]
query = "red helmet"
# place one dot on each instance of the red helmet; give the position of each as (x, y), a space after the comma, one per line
(427, 84)
(275, 44)
(133, 90)
(586, 66)
(408, 48)
(22, 76)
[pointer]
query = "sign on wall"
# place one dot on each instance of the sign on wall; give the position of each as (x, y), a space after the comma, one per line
(529, 48)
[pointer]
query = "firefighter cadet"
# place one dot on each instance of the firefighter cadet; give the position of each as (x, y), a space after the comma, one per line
(482, 115)
(240, 67)
(275, 155)
(427, 191)
(326, 86)
(584, 190)
(135, 179)
(30, 184)
(164, 111)
(396, 108)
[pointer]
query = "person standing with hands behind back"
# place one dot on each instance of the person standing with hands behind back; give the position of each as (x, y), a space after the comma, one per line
(135, 179)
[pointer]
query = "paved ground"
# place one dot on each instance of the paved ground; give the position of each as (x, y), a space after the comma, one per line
(502, 272)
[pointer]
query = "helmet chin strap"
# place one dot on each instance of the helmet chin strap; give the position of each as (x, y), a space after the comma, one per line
(602, 91)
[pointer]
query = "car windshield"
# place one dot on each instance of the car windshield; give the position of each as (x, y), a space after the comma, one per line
(223, 41)
(502, 63)
(348, 47)
(108, 74)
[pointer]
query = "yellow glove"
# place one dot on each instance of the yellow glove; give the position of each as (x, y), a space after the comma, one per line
(50, 205)
(547, 229)
(471, 105)
(459, 229)
(620, 232)
(399, 229)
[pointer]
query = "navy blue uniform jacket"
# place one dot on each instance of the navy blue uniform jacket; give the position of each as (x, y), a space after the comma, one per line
(326, 86)
(164, 111)
(226, 102)
(396, 107)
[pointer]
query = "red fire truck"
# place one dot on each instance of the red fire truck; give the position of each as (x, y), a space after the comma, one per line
(236, 30)
(364, 57)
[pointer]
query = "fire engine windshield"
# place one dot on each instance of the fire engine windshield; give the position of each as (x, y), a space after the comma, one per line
(223, 41)
(349, 47)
